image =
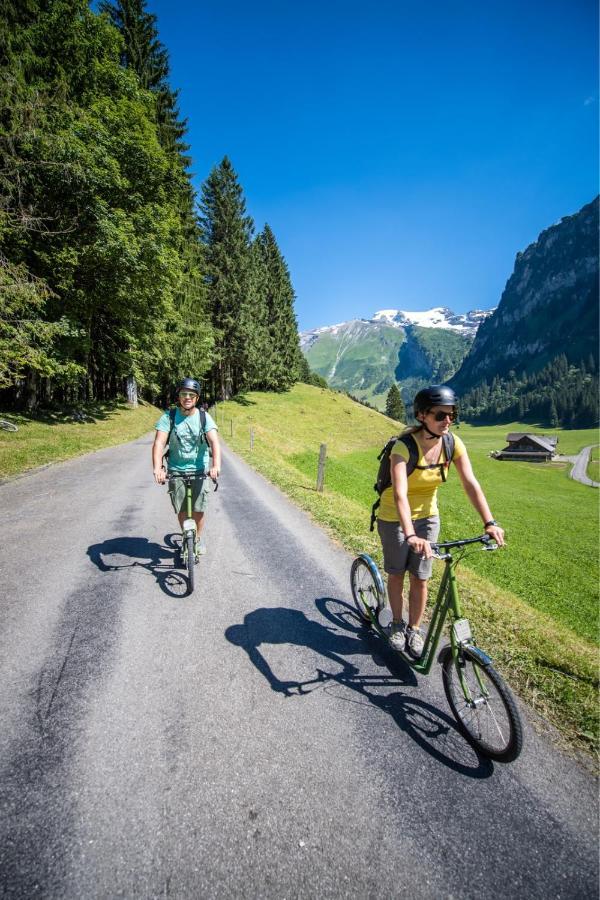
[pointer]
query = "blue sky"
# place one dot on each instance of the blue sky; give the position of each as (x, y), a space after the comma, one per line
(401, 152)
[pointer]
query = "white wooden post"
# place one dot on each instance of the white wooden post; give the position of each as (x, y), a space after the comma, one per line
(252, 438)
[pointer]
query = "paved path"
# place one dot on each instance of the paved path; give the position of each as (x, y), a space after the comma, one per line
(580, 463)
(155, 745)
(579, 470)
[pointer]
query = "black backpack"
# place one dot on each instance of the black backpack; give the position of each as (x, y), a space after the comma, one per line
(384, 474)
(172, 414)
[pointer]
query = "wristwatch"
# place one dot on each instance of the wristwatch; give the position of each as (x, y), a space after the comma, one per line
(491, 522)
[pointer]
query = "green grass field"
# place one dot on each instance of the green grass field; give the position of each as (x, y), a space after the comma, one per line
(535, 605)
(52, 436)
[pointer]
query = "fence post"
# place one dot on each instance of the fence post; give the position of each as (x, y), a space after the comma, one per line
(231, 428)
(252, 438)
(321, 470)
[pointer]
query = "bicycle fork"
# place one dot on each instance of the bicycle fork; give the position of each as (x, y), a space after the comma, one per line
(461, 637)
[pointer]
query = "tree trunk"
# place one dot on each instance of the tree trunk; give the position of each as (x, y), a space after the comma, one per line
(31, 390)
(132, 391)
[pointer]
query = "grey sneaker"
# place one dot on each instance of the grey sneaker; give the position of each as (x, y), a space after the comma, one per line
(414, 641)
(397, 635)
(200, 549)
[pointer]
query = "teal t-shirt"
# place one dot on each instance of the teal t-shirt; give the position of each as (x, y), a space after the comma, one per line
(188, 450)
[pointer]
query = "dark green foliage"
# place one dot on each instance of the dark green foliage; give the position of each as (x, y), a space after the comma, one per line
(105, 271)
(148, 58)
(559, 394)
(250, 295)
(394, 405)
(97, 230)
(277, 294)
(226, 231)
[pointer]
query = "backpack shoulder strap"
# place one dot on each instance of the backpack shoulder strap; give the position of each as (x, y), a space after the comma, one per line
(413, 452)
(203, 425)
(172, 414)
(448, 444)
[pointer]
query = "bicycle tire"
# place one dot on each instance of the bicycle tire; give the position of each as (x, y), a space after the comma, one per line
(367, 587)
(490, 723)
(191, 561)
(8, 426)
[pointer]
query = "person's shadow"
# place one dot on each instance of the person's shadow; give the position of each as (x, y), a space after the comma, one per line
(432, 729)
(138, 552)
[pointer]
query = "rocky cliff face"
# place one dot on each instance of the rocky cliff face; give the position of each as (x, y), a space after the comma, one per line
(549, 305)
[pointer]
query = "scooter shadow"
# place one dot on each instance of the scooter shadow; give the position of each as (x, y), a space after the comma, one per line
(433, 730)
(160, 561)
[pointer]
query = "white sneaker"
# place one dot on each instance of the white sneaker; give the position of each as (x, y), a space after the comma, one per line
(397, 636)
(414, 641)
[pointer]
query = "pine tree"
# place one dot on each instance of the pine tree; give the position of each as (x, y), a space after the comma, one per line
(394, 405)
(226, 231)
(283, 346)
(144, 53)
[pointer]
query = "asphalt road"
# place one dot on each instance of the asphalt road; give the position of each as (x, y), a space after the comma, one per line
(159, 745)
(579, 470)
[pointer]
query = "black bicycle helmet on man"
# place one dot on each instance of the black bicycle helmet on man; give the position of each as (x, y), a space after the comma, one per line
(189, 384)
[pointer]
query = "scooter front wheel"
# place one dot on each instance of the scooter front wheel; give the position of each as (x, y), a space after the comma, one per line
(482, 705)
(191, 561)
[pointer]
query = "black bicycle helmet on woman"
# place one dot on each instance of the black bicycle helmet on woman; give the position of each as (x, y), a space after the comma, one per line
(435, 395)
(189, 384)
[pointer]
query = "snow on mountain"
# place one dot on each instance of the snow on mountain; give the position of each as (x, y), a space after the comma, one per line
(438, 317)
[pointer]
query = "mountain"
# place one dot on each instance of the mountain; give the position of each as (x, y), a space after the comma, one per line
(439, 317)
(366, 356)
(549, 306)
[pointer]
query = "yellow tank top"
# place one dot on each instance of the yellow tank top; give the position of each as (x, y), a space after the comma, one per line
(422, 485)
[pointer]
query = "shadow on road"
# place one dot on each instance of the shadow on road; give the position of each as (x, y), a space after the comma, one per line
(433, 730)
(131, 552)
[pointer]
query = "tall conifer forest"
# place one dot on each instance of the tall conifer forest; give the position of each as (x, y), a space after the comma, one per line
(112, 271)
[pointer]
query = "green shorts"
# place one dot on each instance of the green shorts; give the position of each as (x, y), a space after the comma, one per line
(397, 554)
(200, 492)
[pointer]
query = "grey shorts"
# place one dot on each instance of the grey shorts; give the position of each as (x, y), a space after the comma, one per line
(200, 493)
(397, 554)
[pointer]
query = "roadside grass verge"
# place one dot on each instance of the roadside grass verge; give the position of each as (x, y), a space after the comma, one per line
(50, 436)
(534, 607)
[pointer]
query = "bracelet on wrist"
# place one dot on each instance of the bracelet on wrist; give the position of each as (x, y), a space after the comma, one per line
(407, 537)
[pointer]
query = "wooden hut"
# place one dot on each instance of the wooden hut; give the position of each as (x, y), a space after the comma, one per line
(528, 447)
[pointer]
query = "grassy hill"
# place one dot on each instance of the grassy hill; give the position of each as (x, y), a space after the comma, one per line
(522, 600)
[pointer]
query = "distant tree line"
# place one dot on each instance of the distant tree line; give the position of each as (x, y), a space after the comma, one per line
(560, 394)
(109, 269)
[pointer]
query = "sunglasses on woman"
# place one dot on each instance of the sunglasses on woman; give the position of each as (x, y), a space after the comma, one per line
(440, 416)
(186, 394)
